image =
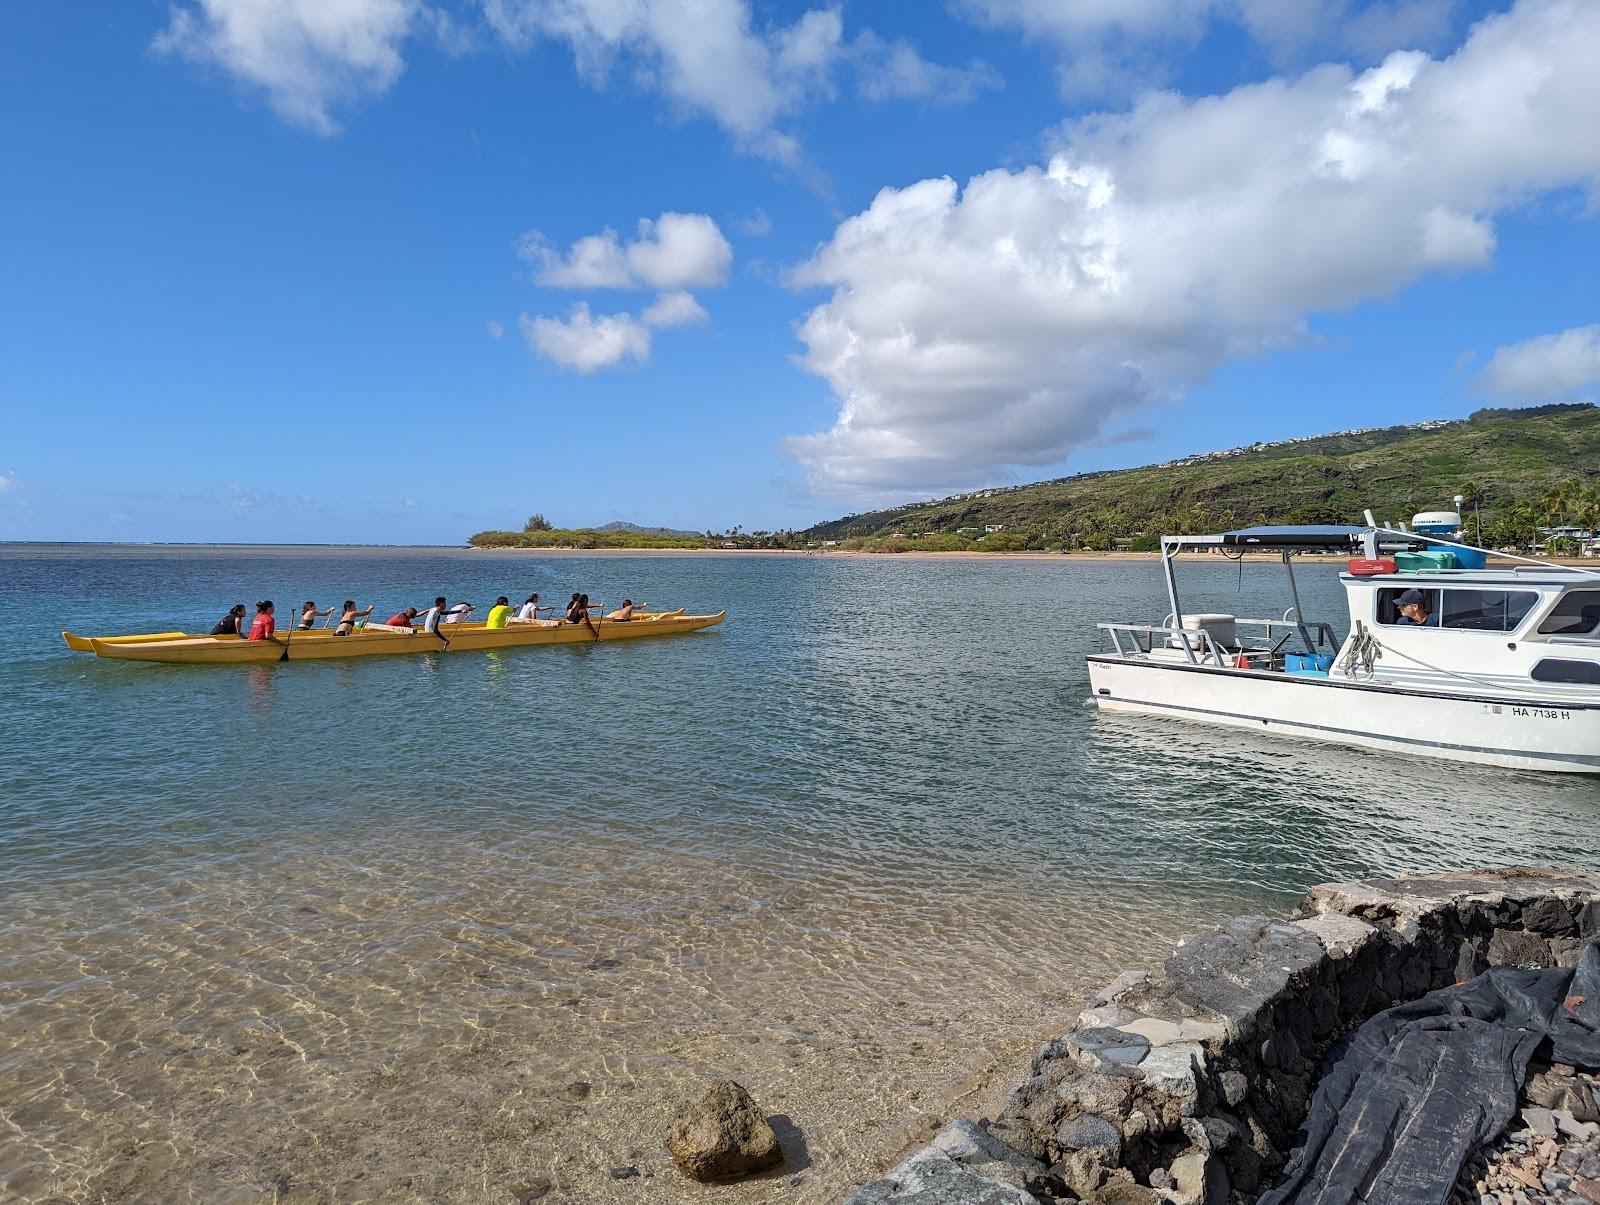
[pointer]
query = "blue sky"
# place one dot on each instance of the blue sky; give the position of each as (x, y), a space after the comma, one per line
(303, 270)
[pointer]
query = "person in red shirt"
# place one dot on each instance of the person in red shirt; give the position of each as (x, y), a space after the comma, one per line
(403, 619)
(264, 624)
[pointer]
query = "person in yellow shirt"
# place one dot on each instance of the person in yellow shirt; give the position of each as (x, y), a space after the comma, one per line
(499, 613)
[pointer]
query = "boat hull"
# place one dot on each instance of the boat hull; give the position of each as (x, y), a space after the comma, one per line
(324, 645)
(1518, 733)
(85, 644)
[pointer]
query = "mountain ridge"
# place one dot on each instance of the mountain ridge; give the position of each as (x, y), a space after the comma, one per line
(1497, 457)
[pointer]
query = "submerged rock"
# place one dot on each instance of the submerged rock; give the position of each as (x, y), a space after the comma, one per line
(723, 1136)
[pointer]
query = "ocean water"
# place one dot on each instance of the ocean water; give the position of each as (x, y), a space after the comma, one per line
(444, 927)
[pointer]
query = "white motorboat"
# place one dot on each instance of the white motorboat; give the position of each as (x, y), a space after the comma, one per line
(1495, 666)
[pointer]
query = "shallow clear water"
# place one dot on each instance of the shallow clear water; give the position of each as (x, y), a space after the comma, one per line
(427, 927)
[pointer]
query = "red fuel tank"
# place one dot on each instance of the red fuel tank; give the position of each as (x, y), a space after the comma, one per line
(1371, 568)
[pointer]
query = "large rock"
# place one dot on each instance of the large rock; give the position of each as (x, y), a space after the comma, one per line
(723, 1136)
(963, 1165)
(930, 1177)
(1235, 972)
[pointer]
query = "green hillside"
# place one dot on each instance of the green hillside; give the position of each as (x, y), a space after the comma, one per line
(1510, 461)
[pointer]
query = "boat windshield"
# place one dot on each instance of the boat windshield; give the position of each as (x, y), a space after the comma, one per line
(1576, 613)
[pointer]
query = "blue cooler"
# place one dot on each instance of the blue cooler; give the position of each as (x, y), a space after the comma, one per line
(1309, 665)
(1447, 523)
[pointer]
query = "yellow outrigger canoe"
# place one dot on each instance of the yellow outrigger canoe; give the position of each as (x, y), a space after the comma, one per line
(183, 649)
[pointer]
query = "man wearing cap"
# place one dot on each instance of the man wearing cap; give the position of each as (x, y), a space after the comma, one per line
(1413, 608)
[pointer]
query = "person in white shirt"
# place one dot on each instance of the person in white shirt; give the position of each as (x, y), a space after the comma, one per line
(457, 613)
(529, 611)
(428, 620)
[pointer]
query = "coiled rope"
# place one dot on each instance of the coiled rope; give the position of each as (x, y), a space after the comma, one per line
(1366, 649)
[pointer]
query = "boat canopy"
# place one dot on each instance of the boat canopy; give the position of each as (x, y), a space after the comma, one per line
(1321, 537)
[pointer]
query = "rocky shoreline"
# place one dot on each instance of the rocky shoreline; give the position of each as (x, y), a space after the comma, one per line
(1551, 1153)
(1189, 1085)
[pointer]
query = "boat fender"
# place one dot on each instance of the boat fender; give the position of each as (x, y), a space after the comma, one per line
(1241, 661)
(1364, 567)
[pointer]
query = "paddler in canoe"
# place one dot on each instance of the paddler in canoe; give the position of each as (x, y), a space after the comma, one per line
(264, 625)
(231, 624)
(529, 611)
(499, 615)
(349, 617)
(578, 612)
(309, 616)
(400, 621)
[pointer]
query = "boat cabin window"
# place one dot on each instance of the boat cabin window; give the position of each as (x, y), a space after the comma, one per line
(1554, 669)
(1577, 613)
(1462, 609)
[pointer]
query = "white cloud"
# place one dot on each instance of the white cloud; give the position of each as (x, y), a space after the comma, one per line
(1112, 47)
(669, 253)
(494, 328)
(707, 58)
(1003, 325)
(894, 71)
(307, 55)
(673, 251)
(587, 343)
(1088, 21)
(1379, 28)
(595, 261)
(9, 483)
(1546, 367)
(757, 224)
(675, 309)
(678, 250)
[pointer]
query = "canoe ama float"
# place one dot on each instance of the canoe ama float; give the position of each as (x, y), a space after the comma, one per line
(183, 649)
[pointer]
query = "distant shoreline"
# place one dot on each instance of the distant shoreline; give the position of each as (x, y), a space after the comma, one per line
(1091, 558)
(860, 554)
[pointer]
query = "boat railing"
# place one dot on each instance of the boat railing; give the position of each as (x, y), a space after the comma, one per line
(1197, 644)
(1200, 647)
(1318, 634)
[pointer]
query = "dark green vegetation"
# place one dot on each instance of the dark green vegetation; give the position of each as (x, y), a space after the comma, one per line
(1518, 469)
(1522, 468)
(586, 537)
(538, 532)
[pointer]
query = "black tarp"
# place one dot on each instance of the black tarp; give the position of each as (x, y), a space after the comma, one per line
(1411, 1094)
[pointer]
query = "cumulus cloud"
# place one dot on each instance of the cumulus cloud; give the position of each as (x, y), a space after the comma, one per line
(9, 483)
(673, 251)
(306, 55)
(1004, 324)
(707, 58)
(1543, 368)
(669, 253)
(678, 250)
(1114, 47)
(674, 309)
(895, 70)
(587, 343)
(494, 329)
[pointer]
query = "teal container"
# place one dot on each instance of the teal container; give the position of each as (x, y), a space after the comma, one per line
(1424, 562)
(1311, 665)
(1470, 558)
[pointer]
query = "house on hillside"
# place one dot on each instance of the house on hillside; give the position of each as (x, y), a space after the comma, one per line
(990, 528)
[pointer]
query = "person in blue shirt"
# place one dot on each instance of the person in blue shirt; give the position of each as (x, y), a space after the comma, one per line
(1413, 608)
